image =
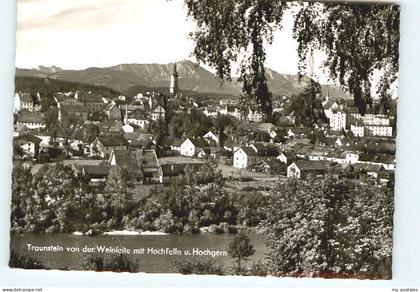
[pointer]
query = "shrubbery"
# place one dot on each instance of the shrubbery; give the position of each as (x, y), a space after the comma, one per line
(117, 263)
(59, 199)
(320, 227)
(24, 261)
(199, 267)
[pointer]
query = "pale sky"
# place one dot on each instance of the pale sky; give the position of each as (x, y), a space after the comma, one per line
(76, 34)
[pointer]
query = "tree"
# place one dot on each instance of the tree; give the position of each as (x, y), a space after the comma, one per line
(324, 227)
(240, 248)
(305, 106)
(226, 28)
(357, 39)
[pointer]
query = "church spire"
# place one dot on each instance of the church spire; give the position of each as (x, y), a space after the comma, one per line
(174, 82)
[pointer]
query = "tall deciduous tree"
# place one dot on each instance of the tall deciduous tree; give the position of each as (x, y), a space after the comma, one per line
(357, 38)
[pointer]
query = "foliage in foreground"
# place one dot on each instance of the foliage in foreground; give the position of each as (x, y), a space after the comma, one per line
(24, 261)
(117, 263)
(58, 199)
(359, 40)
(321, 227)
(240, 248)
(200, 267)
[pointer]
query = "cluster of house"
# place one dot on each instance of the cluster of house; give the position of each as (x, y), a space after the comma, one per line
(126, 141)
(123, 141)
(79, 106)
(234, 109)
(111, 150)
(302, 158)
(348, 118)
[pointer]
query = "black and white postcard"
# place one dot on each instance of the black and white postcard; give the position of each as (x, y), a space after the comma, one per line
(224, 137)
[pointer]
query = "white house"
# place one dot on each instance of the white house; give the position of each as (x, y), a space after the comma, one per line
(352, 157)
(127, 128)
(158, 112)
(358, 131)
(29, 144)
(378, 130)
(31, 120)
(25, 101)
(372, 119)
(211, 137)
(243, 157)
(254, 115)
(301, 168)
(191, 146)
(329, 107)
(230, 110)
(211, 111)
(138, 118)
(287, 157)
(16, 103)
(338, 121)
(371, 130)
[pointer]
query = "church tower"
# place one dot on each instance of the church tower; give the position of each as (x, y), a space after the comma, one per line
(174, 83)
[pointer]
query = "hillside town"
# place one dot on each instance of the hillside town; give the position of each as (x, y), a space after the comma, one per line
(154, 137)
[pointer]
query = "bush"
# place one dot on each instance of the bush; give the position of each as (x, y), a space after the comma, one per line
(94, 263)
(194, 266)
(24, 261)
(258, 269)
(118, 263)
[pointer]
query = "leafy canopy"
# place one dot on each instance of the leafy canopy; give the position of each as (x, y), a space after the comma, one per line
(357, 39)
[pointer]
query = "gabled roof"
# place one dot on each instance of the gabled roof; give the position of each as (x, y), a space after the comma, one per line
(328, 104)
(149, 158)
(137, 114)
(302, 149)
(127, 159)
(116, 124)
(199, 142)
(156, 108)
(249, 151)
(136, 143)
(266, 150)
(73, 108)
(89, 97)
(261, 127)
(131, 136)
(290, 154)
(312, 165)
(31, 117)
(96, 170)
(25, 97)
(109, 140)
(25, 138)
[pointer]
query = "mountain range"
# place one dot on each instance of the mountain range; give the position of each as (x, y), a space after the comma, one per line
(127, 78)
